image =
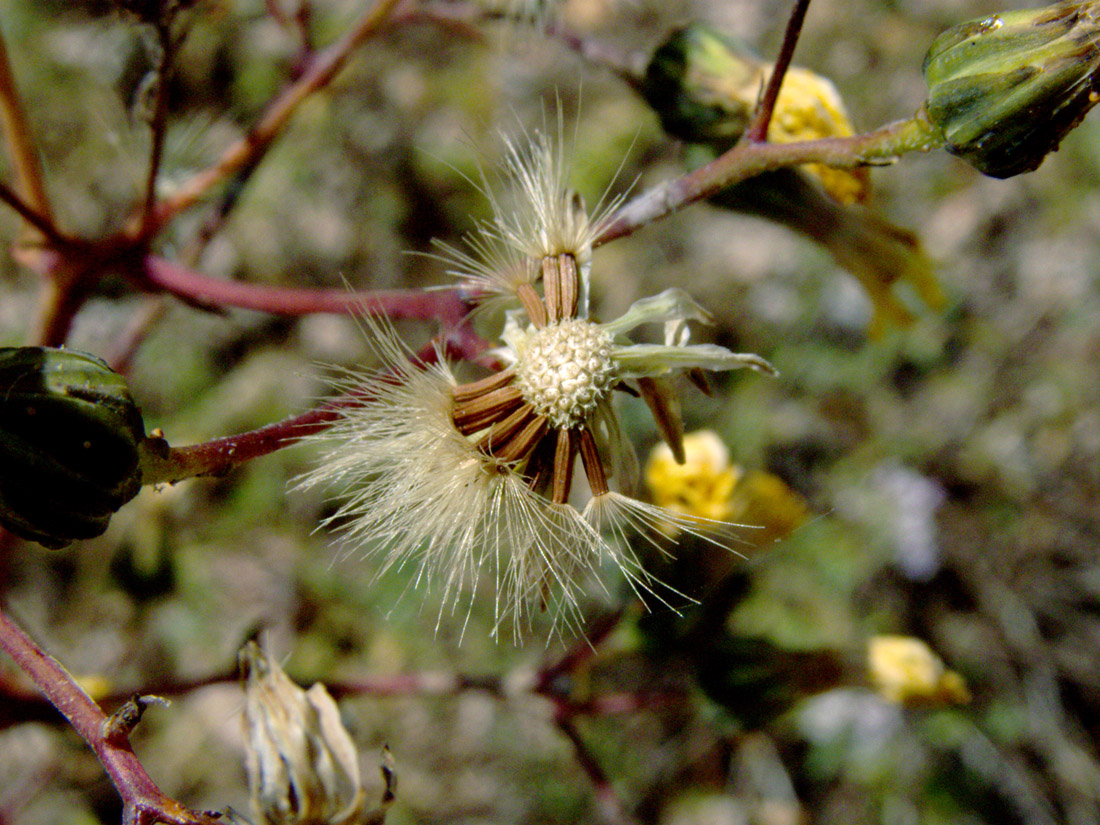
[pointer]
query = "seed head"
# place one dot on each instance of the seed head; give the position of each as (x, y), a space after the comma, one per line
(472, 481)
(566, 371)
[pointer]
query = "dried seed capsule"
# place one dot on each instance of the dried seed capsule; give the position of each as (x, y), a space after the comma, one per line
(1007, 88)
(69, 435)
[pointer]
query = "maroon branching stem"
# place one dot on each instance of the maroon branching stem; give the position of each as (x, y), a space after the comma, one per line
(445, 305)
(619, 704)
(144, 802)
(747, 160)
(250, 148)
(34, 218)
(423, 683)
(611, 807)
(19, 705)
(583, 650)
(758, 129)
(121, 355)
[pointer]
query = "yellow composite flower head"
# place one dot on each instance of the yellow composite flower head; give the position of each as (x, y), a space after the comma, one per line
(465, 481)
(905, 670)
(702, 485)
(708, 487)
(809, 107)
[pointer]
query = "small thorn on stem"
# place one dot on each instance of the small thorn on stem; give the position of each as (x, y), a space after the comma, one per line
(119, 725)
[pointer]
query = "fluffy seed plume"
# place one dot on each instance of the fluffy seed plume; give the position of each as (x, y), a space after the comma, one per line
(462, 481)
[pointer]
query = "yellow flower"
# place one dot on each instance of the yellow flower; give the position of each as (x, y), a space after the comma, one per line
(809, 108)
(905, 670)
(702, 486)
(706, 486)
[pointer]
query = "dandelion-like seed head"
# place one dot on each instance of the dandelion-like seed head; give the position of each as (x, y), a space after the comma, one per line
(464, 480)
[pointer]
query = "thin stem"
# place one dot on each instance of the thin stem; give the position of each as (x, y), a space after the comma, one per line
(144, 802)
(612, 810)
(163, 465)
(758, 129)
(252, 146)
(20, 144)
(747, 160)
(158, 125)
(59, 299)
(31, 216)
(583, 650)
(445, 306)
(630, 67)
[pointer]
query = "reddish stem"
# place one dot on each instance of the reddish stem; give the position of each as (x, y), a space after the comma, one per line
(144, 802)
(611, 808)
(582, 651)
(747, 160)
(21, 148)
(163, 465)
(443, 305)
(218, 457)
(758, 129)
(41, 223)
(250, 148)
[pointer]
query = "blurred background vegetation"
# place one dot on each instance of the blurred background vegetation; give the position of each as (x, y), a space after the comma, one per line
(950, 470)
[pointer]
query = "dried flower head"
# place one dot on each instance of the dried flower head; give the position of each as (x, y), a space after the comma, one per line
(460, 479)
(302, 765)
(536, 215)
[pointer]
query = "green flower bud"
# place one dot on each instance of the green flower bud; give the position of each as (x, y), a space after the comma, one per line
(703, 84)
(1006, 89)
(69, 436)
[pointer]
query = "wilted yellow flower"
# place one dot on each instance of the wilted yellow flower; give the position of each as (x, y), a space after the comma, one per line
(809, 108)
(704, 84)
(766, 502)
(905, 670)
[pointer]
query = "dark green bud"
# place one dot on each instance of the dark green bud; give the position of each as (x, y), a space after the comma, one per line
(1006, 89)
(703, 84)
(69, 436)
